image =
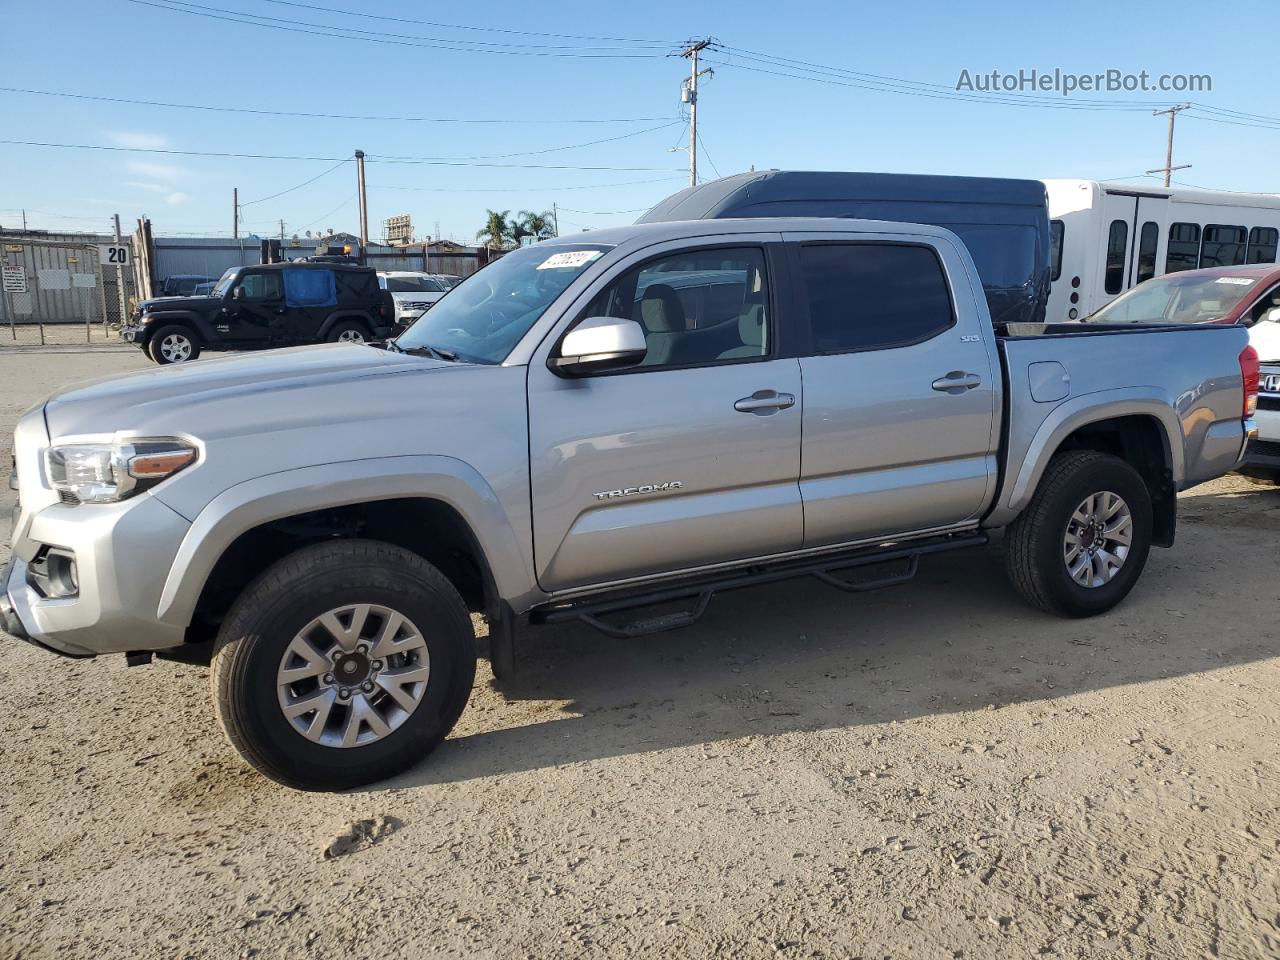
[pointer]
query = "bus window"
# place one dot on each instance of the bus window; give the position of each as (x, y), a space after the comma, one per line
(1117, 241)
(1184, 247)
(1262, 245)
(1223, 246)
(1147, 242)
(1056, 230)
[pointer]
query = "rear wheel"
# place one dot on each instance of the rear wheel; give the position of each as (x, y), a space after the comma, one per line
(173, 344)
(349, 331)
(1081, 544)
(344, 663)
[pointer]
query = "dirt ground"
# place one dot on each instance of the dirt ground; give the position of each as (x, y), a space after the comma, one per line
(932, 771)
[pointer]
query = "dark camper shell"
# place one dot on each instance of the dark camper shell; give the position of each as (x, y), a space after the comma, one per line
(1004, 223)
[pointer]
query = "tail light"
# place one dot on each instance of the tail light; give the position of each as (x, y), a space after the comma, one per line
(1249, 374)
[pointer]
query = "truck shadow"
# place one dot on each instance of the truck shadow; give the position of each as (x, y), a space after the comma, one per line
(800, 656)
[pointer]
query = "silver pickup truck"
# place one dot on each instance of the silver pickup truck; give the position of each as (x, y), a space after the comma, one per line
(592, 428)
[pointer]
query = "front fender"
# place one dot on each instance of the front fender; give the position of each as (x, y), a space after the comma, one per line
(275, 496)
(1028, 459)
(198, 323)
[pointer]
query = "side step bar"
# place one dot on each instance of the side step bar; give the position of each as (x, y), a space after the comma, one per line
(700, 591)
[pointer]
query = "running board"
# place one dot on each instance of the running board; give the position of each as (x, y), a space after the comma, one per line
(700, 591)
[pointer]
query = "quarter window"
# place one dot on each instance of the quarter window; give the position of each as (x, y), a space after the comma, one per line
(874, 296)
(697, 307)
(1184, 247)
(1056, 230)
(1223, 246)
(1117, 243)
(1262, 245)
(1148, 240)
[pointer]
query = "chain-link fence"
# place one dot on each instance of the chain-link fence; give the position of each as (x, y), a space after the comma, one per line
(57, 292)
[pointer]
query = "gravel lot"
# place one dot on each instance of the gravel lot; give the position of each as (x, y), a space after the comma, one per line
(929, 771)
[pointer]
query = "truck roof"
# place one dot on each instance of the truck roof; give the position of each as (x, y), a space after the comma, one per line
(679, 229)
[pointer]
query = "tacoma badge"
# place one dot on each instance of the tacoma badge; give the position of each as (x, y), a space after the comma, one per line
(643, 488)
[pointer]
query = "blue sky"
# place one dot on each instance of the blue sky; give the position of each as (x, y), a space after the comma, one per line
(139, 51)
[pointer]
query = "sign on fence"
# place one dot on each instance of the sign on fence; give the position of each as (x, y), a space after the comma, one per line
(113, 254)
(15, 279)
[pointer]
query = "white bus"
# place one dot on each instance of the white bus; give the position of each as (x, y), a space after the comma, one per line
(1106, 238)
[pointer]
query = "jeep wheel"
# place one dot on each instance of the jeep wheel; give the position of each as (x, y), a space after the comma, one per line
(349, 331)
(173, 344)
(344, 663)
(1081, 544)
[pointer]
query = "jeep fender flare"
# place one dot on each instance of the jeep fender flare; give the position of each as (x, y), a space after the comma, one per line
(358, 315)
(183, 318)
(251, 503)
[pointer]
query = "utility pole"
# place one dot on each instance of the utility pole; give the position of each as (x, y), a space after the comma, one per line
(124, 299)
(282, 230)
(1168, 167)
(364, 208)
(691, 52)
(235, 213)
(555, 218)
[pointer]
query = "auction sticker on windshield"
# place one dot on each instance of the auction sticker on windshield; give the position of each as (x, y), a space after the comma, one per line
(1238, 281)
(570, 259)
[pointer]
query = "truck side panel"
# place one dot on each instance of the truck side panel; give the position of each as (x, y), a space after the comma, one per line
(1186, 379)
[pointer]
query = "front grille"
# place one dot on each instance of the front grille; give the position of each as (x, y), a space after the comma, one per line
(67, 497)
(1267, 402)
(1264, 448)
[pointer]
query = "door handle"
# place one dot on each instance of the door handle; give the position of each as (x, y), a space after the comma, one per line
(957, 382)
(764, 402)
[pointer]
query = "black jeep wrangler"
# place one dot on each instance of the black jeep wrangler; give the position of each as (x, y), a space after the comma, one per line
(267, 305)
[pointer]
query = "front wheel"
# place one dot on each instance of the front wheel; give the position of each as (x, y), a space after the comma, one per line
(1081, 544)
(349, 331)
(173, 344)
(344, 663)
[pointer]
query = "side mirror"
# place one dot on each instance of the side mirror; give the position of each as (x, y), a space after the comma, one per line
(599, 343)
(237, 293)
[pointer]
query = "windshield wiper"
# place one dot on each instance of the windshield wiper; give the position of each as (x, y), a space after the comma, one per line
(438, 352)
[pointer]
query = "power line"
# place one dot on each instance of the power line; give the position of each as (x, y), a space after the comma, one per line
(319, 116)
(423, 161)
(605, 213)
(345, 203)
(534, 153)
(373, 36)
(708, 156)
(538, 190)
(459, 26)
(945, 93)
(249, 203)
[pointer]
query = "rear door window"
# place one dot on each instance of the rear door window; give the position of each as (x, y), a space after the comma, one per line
(873, 296)
(309, 288)
(1117, 246)
(1148, 240)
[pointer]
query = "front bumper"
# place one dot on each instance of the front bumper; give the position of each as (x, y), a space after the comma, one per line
(122, 552)
(132, 333)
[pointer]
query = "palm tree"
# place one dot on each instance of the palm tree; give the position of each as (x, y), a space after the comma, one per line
(537, 225)
(497, 232)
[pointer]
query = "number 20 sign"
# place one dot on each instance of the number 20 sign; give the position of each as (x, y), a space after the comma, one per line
(110, 254)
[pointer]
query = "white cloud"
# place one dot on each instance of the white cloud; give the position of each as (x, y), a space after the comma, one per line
(138, 140)
(176, 198)
(157, 171)
(153, 187)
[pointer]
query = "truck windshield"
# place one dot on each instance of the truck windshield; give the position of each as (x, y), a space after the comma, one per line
(485, 317)
(224, 283)
(1177, 298)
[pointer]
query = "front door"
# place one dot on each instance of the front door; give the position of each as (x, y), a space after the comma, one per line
(255, 307)
(692, 457)
(900, 389)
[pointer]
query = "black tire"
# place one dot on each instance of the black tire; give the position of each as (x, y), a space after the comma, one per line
(281, 602)
(1034, 544)
(161, 346)
(349, 330)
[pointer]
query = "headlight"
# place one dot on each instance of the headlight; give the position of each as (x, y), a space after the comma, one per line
(107, 472)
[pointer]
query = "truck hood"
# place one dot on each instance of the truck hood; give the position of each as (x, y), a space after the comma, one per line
(171, 394)
(160, 304)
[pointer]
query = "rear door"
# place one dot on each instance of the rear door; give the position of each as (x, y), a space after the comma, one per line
(689, 459)
(901, 387)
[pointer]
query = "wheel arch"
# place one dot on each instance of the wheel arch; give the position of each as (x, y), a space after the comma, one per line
(177, 319)
(1143, 431)
(333, 320)
(438, 507)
